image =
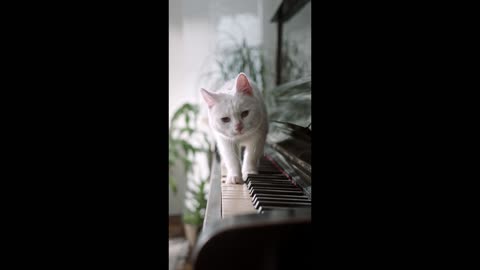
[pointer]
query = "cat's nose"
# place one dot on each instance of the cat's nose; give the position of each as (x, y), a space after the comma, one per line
(239, 127)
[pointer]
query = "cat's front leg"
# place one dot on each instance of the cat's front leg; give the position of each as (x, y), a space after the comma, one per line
(253, 153)
(230, 157)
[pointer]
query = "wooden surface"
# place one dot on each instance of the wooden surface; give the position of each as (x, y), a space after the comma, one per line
(175, 227)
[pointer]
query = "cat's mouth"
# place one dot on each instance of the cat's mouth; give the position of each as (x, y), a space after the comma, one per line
(238, 136)
(245, 132)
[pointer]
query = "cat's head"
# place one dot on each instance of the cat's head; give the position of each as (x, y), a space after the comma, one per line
(235, 113)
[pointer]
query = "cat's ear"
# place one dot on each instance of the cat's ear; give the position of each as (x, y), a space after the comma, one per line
(242, 85)
(210, 98)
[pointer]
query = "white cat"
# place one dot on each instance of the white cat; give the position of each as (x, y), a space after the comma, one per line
(238, 117)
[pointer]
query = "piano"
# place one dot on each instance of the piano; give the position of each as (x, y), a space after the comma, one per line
(266, 222)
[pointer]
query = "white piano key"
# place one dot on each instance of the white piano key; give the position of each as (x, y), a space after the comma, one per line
(236, 199)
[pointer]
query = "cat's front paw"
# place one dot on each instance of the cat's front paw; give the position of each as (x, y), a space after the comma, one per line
(247, 172)
(234, 179)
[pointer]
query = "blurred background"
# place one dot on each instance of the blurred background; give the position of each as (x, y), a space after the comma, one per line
(211, 41)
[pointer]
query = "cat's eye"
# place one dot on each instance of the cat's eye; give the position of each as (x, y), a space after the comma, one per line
(244, 114)
(226, 119)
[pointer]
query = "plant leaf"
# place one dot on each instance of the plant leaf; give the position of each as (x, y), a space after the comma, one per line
(173, 184)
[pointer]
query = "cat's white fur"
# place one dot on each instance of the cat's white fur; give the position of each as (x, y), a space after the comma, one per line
(237, 96)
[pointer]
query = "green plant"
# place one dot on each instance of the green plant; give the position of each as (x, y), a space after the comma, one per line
(291, 102)
(183, 133)
(196, 215)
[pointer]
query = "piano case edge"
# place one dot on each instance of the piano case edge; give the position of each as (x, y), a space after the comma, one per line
(268, 239)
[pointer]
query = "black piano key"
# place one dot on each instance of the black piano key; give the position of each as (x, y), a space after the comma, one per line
(302, 197)
(279, 200)
(272, 190)
(280, 196)
(259, 178)
(270, 181)
(289, 187)
(276, 191)
(253, 191)
(278, 175)
(269, 184)
(263, 189)
(273, 208)
(277, 178)
(260, 190)
(259, 186)
(266, 172)
(281, 204)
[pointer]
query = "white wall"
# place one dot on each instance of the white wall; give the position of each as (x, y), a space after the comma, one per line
(189, 44)
(174, 77)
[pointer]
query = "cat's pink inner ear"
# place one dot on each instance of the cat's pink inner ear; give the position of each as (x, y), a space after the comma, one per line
(242, 84)
(208, 97)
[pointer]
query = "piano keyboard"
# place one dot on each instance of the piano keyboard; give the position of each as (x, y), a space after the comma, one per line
(268, 190)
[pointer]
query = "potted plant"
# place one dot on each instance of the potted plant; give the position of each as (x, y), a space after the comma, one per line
(193, 218)
(185, 142)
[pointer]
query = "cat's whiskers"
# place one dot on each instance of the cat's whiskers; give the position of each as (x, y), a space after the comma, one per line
(243, 136)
